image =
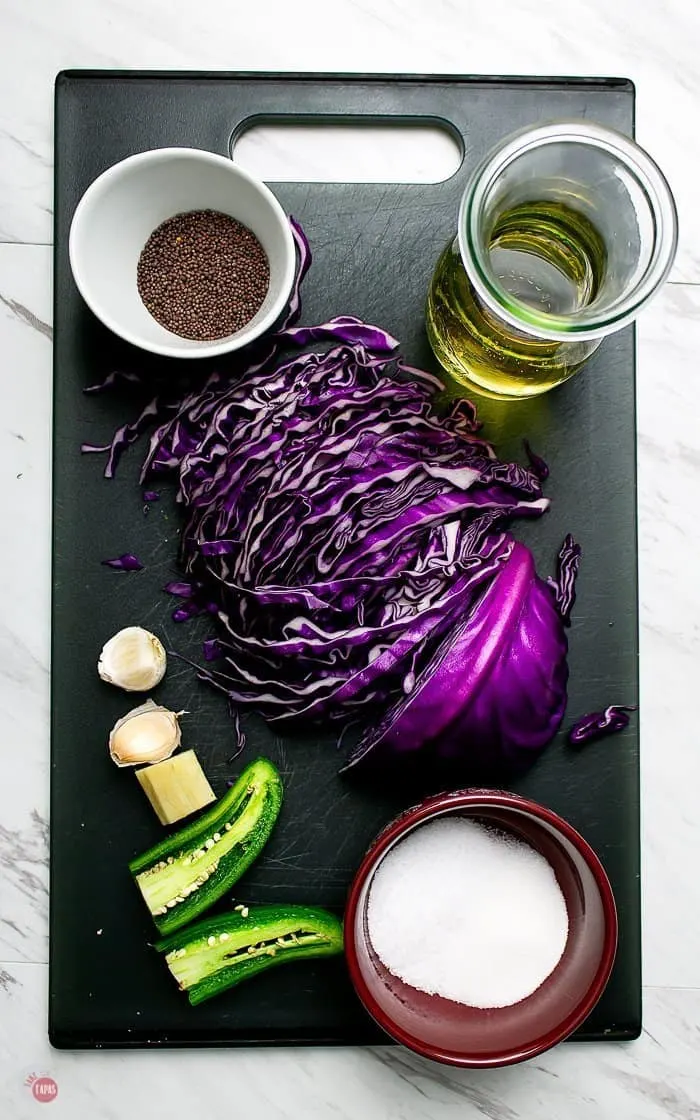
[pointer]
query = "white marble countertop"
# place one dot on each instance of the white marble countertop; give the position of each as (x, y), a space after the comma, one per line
(657, 45)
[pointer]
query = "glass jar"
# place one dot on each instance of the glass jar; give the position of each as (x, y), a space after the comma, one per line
(564, 233)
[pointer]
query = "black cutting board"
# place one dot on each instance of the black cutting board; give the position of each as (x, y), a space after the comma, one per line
(374, 246)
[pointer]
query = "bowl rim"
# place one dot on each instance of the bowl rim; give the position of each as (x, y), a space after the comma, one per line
(473, 798)
(173, 350)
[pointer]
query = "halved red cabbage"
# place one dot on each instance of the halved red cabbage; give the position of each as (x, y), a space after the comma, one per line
(350, 539)
(496, 685)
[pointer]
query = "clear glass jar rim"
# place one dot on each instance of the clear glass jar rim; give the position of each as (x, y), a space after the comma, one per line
(582, 325)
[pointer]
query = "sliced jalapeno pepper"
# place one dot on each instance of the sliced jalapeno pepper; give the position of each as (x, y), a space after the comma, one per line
(184, 874)
(220, 952)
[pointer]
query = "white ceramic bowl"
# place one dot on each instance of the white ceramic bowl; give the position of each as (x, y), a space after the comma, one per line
(118, 213)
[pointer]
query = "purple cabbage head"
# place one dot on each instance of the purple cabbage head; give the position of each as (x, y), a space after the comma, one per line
(495, 688)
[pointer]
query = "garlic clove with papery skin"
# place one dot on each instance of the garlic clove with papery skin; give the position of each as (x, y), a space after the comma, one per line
(149, 733)
(134, 659)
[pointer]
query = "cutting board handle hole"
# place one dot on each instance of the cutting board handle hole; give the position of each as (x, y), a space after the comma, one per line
(353, 149)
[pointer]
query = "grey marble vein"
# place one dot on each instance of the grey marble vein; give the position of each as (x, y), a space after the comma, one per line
(415, 1070)
(26, 316)
(26, 147)
(24, 857)
(24, 861)
(673, 1101)
(6, 979)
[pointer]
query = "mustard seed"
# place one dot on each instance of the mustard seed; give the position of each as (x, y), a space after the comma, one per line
(203, 275)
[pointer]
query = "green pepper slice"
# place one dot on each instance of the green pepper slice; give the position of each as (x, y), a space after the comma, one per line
(187, 872)
(219, 953)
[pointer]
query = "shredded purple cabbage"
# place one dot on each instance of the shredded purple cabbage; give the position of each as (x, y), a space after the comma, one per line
(182, 590)
(117, 377)
(151, 496)
(341, 531)
(564, 586)
(537, 464)
(596, 725)
(344, 328)
(239, 733)
(125, 563)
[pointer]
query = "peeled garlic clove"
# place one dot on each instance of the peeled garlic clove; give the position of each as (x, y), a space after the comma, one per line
(148, 733)
(134, 659)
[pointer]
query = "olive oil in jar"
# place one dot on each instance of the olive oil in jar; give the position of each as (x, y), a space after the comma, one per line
(547, 256)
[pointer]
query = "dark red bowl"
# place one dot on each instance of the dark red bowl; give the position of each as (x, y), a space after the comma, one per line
(467, 1036)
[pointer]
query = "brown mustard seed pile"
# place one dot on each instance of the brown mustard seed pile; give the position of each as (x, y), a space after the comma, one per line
(203, 275)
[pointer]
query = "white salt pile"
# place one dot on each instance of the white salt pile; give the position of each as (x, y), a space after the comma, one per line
(462, 911)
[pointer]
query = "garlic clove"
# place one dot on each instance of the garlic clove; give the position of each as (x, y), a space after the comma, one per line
(149, 733)
(134, 659)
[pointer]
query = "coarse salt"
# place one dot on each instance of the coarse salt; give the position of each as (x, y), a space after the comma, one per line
(463, 911)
